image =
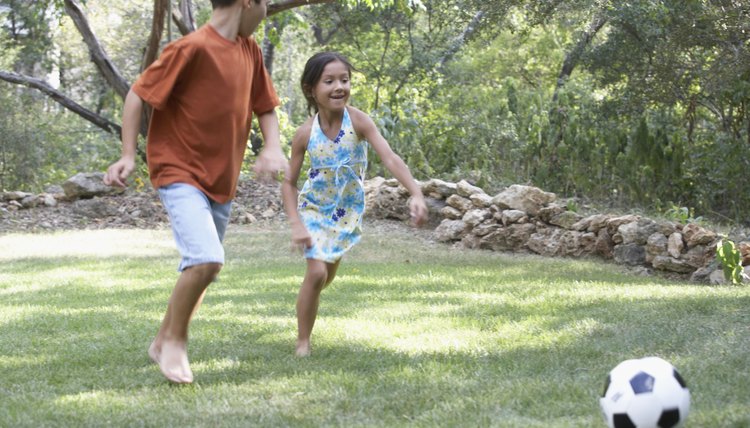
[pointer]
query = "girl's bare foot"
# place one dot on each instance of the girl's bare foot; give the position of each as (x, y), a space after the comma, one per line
(303, 348)
(173, 362)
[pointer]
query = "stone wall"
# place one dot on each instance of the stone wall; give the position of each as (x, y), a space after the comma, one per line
(528, 219)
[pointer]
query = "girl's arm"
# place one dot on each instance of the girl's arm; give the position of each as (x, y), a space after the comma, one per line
(365, 127)
(300, 236)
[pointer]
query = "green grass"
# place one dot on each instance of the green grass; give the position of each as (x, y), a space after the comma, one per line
(409, 334)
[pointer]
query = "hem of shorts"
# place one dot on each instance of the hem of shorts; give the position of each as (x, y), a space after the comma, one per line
(194, 262)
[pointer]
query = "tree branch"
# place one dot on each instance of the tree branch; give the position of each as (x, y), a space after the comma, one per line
(183, 17)
(63, 100)
(157, 29)
(465, 36)
(281, 6)
(572, 58)
(98, 56)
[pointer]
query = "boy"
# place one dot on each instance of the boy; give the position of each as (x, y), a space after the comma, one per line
(204, 89)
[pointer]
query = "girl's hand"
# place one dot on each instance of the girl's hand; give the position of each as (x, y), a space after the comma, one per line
(418, 211)
(301, 239)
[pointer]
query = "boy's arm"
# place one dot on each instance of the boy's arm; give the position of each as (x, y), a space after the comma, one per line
(271, 159)
(131, 125)
(393, 162)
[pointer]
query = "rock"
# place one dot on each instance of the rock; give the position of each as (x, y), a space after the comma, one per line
(698, 256)
(485, 228)
(434, 211)
(465, 189)
(656, 245)
(13, 196)
(604, 245)
(630, 254)
(637, 232)
(545, 214)
(439, 187)
(512, 238)
(717, 277)
(614, 223)
(450, 230)
(523, 198)
(88, 185)
(476, 216)
(697, 235)
(744, 247)
(671, 264)
(546, 241)
(460, 203)
(481, 200)
(31, 201)
(513, 216)
(96, 208)
(703, 274)
(387, 202)
(597, 222)
(49, 200)
(675, 245)
(566, 220)
(451, 213)
(588, 243)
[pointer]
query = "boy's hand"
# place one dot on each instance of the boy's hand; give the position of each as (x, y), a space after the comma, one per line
(418, 211)
(119, 171)
(270, 164)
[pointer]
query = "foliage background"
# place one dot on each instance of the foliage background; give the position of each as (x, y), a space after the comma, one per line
(630, 104)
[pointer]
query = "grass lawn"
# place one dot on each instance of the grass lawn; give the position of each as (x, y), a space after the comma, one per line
(409, 334)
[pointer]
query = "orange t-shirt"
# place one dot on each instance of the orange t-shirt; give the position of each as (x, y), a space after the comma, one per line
(204, 90)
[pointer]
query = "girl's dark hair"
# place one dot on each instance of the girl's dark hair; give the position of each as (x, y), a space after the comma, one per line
(314, 69)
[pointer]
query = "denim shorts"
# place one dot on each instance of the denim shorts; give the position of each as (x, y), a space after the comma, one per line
(198, 224)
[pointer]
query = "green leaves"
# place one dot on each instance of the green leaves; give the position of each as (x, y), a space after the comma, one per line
(729, 257)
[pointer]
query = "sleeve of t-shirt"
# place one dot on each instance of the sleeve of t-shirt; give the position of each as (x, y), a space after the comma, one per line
(263, 97)
(155, 84)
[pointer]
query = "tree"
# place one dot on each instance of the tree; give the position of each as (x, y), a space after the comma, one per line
(182, 15)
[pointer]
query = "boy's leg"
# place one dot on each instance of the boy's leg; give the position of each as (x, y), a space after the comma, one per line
(198, 225)
(318, 275)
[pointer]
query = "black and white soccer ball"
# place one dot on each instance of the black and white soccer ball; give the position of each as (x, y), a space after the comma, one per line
(645, 393)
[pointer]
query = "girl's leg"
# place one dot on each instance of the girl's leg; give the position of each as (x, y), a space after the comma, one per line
(318, 275)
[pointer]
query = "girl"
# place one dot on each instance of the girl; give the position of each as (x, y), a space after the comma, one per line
(326, 215)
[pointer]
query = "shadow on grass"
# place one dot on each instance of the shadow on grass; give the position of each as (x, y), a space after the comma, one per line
(457, 342)
(62, 357)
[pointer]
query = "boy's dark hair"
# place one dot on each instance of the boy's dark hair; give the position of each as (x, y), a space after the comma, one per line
(314, 69)
(216, 4)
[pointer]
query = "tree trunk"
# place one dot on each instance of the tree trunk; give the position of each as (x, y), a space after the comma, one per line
(98, 56)
(157, 29)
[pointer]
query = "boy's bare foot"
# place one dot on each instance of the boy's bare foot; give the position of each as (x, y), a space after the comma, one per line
(173, 362)
(303, 348)
(154, 352)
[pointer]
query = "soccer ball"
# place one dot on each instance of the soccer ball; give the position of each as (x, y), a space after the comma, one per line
(645, 393)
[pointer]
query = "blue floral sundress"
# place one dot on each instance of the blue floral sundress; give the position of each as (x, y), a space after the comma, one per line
(332, 200)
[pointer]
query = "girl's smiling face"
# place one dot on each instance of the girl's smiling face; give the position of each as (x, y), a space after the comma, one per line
(332, 90)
